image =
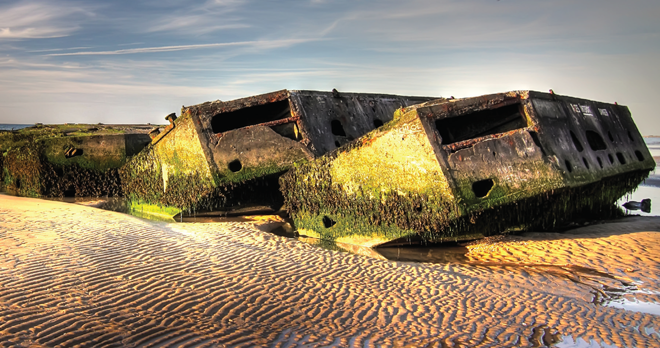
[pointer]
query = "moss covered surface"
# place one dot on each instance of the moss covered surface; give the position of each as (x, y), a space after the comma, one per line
(250, 173)
(111, 155)
(531, 178)
(386, 186)
(351, 220)
(21, 171)
(152, 211)
(172, 174)
(143, 181)
(21, 137)
(28, 172)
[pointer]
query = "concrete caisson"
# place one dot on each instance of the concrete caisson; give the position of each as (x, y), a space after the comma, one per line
(465, 168)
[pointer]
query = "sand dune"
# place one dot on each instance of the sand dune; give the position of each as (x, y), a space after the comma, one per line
(72, 275)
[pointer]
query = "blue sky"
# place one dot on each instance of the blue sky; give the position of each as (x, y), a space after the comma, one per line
(137, 61)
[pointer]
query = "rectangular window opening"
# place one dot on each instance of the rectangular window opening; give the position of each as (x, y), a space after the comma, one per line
(480, 124)
(250, 116)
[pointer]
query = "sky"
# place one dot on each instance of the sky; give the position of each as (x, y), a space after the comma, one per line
(137, 61)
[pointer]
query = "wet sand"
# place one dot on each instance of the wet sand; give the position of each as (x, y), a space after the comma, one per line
(72, 275)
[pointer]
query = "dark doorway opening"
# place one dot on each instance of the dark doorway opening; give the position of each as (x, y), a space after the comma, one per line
(481, 123)
(249, 116)
(595, 141)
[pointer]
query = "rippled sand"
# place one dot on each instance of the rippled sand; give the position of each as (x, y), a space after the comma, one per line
(74, 275)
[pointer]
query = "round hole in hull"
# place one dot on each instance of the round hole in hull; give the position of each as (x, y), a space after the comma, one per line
(576, 142)
(622, 159)
(337, 128)
(481, 188)
(235, 166)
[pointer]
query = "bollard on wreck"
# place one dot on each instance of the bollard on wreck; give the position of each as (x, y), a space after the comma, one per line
(468, 168)
(218, 155)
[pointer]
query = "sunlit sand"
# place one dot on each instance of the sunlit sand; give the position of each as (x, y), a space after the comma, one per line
(76, 275)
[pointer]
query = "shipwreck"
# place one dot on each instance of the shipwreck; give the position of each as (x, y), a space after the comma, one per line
(78, 160)
(221, 155)
(467, 168)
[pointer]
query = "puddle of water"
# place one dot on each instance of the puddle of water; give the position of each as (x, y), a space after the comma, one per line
(569, 342)
(347, 248)
(442, 253)
(240, 214)
(635, 306)
(644, 192)
(650, 188)
(452, 253)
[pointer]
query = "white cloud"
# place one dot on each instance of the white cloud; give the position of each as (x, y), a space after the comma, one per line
(59, 49)
(257, 44)
(211, 16)
(193, 25)
(29, 20)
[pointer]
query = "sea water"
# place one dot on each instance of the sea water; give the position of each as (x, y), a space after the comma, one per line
(10, 126)
(649, 188)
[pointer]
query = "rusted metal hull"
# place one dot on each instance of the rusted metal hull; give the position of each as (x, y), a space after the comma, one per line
(461, 169)
(219, 155)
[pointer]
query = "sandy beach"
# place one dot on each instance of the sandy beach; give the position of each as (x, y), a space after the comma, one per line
(72, 275)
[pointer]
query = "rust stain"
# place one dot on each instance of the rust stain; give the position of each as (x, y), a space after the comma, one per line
(471, 142)
(505, 102)
(162, 134)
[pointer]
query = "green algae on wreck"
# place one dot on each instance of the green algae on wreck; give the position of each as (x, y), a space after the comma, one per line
(170, 172)
(222, 155)
(67, 160)
(460, 169)
(151, 211)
